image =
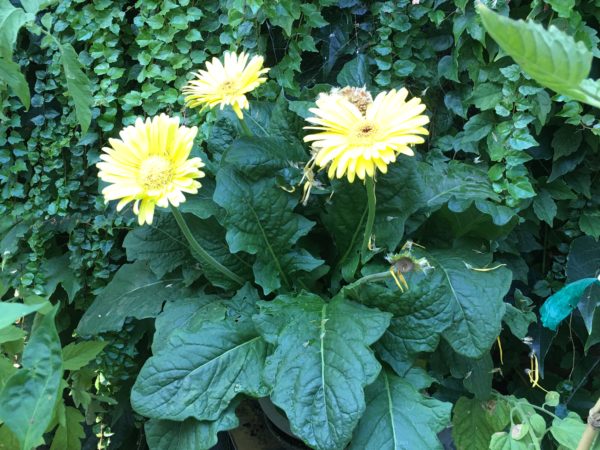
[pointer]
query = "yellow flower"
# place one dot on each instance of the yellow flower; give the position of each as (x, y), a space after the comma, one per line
(358, 135)
(149, 166)
(226, 84)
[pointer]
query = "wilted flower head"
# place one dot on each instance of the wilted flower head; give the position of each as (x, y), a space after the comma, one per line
(149, 166)
(357, 135)
(226, 83)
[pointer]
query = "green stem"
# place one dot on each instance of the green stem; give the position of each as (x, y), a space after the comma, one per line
(245, 129)
(371, 199)
(369, 278)
(202, 254)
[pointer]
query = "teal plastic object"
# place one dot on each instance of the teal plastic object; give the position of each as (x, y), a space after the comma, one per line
(558, 306)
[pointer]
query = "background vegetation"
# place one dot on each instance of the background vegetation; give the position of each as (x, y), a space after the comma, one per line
(537, 157)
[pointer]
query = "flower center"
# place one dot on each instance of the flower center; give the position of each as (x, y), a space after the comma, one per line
(365, 133)
(229, 87)
(155, 173)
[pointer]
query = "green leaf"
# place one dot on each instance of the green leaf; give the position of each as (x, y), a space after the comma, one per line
(8, 441)
(11, 21)
(261, 221)
(27, 399)
(558, 306)
(399, 417)
(134, 291)
(562, 7)
(550, 56)
(445, 301)
(78, 85)
(518, 321)
(355, 73)
(189, 434)
(34, 6)
(568, 432)
(474, 422)
(164, 248)
(10, 73)
(69, 435)
(486, 96)
(505, 441)
(545, 207)
(201, 368)
(57, 271)
(566, 141)
(320, 364)
(589, 222)
(11, 333)
(77, 355)
(11, 312)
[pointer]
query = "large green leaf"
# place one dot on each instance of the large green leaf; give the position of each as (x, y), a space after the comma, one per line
(10, 73)
(558, 306)
(321, 363)
(135, 291)
(553, 58)
(399, 417)
(165, 249)
(10, 312)
(474, 422)
(261, 221)
(583, 262)
(442, 302)
(28, 397)
(11, 21)
(568, 432)
(78, 85)
(190, 433)
(202, 367)
(69, 435)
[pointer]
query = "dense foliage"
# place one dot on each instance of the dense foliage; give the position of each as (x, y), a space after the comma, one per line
(502, 201)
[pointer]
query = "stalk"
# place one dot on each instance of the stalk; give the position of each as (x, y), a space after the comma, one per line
(591, 430)
(200, 253)
(371, 199)
(245, 129)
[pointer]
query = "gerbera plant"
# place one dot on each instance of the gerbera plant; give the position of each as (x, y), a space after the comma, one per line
(358, 135)
(301, 310)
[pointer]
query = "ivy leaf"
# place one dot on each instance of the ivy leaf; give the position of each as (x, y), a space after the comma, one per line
(261, 221)
(545, 207)
(566, 141)
(399, 417)
(77, 355)
(69, 435)
(551, 57)
(10, 73)
(78, 85)
(486, 96)
(28, 397)
(190, 433)
(201, 369)
(320, 364)
(589, 223)
(135, 291)
(474, 422)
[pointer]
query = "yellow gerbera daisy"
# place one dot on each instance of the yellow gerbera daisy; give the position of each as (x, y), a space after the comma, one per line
(149, 165)
(226, 84)
(358, 135)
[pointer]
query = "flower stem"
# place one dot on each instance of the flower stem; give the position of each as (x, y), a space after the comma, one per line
(202, 254)
(369, 278)
(371, 199)
(245, 129)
